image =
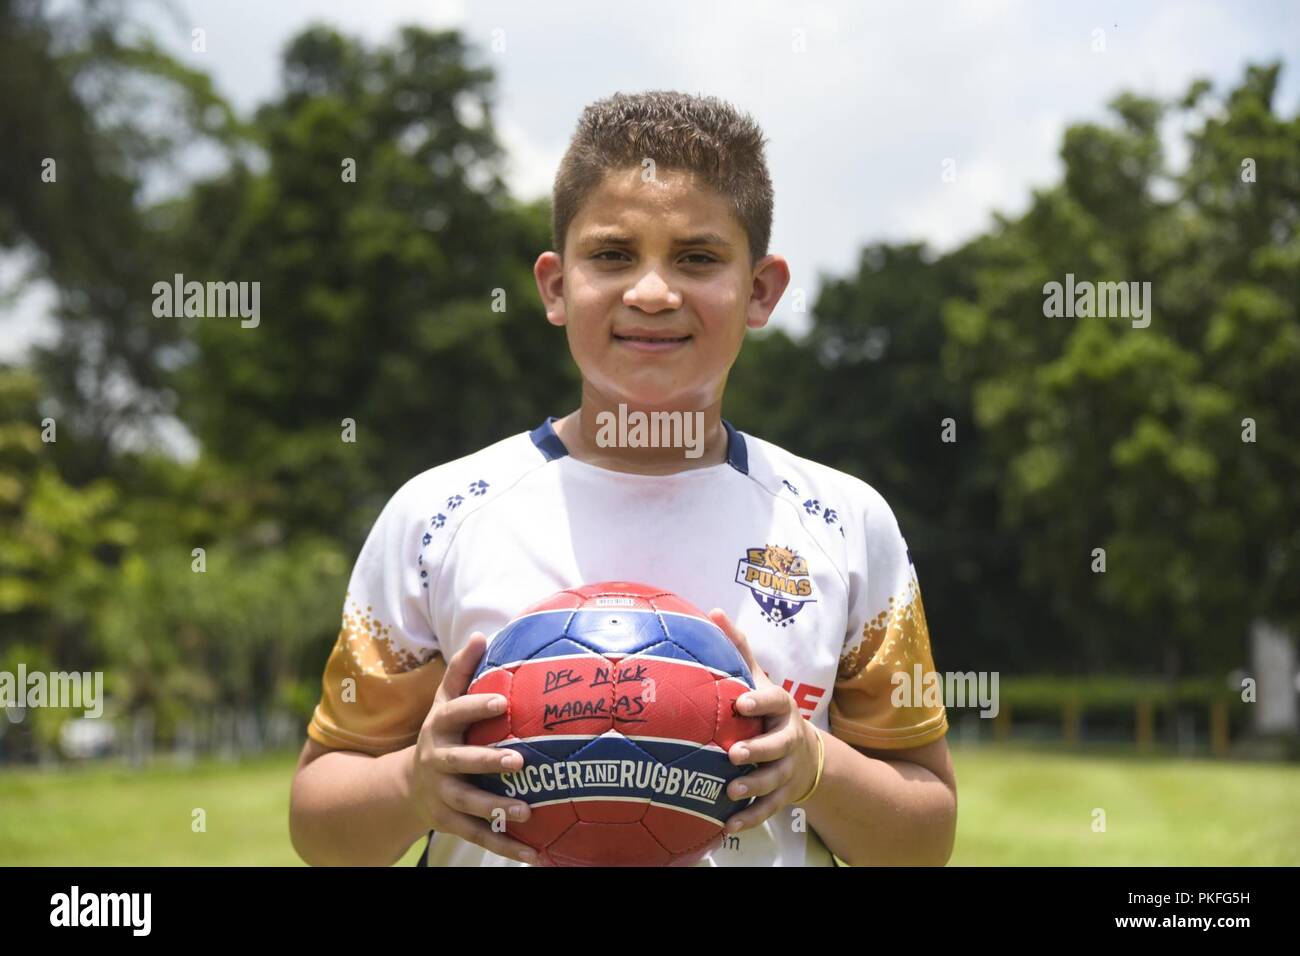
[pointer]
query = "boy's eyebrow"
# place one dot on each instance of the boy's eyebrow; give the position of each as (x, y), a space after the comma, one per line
(611, 238)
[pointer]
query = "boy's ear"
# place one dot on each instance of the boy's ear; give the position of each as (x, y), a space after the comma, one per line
(771, 276)
(548, 271)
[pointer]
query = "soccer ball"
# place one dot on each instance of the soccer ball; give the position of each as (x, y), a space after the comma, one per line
(622, 703)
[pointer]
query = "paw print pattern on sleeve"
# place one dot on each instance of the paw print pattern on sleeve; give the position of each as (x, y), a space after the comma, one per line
(814, 507)
(478, 488)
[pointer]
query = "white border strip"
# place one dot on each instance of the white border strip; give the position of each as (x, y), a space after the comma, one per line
(609, 733)
(653, 803)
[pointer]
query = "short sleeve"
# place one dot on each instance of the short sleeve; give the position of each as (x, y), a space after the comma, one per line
(887, 636)
(386, 665)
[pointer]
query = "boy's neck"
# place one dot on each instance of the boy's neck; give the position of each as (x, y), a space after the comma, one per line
(585, 432)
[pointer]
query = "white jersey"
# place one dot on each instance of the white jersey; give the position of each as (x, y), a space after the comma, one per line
(807, 561)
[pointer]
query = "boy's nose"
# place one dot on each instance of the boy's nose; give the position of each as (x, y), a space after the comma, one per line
(651, 293)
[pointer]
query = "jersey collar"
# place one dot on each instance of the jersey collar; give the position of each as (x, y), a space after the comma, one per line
(549, 444)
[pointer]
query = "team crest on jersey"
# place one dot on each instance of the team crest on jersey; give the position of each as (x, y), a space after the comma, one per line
(778, 579)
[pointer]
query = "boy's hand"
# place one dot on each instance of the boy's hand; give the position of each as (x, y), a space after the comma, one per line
(450, 803)
(788, 744)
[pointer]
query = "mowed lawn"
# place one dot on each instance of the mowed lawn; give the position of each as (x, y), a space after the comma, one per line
(1017, 807)
(110, 816)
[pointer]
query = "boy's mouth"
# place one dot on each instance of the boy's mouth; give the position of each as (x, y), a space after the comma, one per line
(651, 342)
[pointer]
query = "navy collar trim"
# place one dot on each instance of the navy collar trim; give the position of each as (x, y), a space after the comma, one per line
(549, 444)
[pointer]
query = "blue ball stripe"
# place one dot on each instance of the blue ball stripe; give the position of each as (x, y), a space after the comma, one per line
(618, 631)
(612, 766)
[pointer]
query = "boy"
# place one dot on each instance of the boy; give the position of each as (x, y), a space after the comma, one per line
(662, 214)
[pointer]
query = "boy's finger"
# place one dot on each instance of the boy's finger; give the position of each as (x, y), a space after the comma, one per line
(474, 801)
(719, 617)
(478, 832)
(459, 712)
(466, 759)
(763, 748)
(766, 700)
(761, 782)
(461, 667)
(756, 812)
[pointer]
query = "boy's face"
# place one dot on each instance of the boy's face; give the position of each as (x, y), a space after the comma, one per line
(656, 289)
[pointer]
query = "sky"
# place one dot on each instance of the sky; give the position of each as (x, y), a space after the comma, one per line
(862, 102)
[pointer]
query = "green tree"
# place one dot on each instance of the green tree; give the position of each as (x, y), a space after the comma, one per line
(866, 391)
(403, 300)
(1130, 439)
(76, 154)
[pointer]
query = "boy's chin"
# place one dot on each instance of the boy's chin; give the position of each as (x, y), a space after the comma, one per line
(654, 400)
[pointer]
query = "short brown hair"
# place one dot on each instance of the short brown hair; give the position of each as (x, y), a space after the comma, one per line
(698, 134)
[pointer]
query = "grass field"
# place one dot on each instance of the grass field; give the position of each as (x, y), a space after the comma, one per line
(1017, 807)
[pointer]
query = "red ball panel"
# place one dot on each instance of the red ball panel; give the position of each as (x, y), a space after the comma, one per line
(679, 832)
(692, 857)
(544, 825)
(554, 698)
(679, 703)
(628, 844)
(668, 602)
(733, 726)
(630, 589)
(610, 811)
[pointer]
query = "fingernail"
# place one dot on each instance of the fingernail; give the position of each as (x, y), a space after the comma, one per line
(741, 790)
(518, 813)
(497, 705)
(511, 763)
(742, 753)
(528, 856)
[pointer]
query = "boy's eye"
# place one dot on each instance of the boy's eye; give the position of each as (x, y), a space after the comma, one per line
(702, 257)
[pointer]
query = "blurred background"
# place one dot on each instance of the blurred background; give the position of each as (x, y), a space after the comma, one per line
(1106, 516)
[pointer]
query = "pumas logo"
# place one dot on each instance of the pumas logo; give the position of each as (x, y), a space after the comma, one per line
(778, 579)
